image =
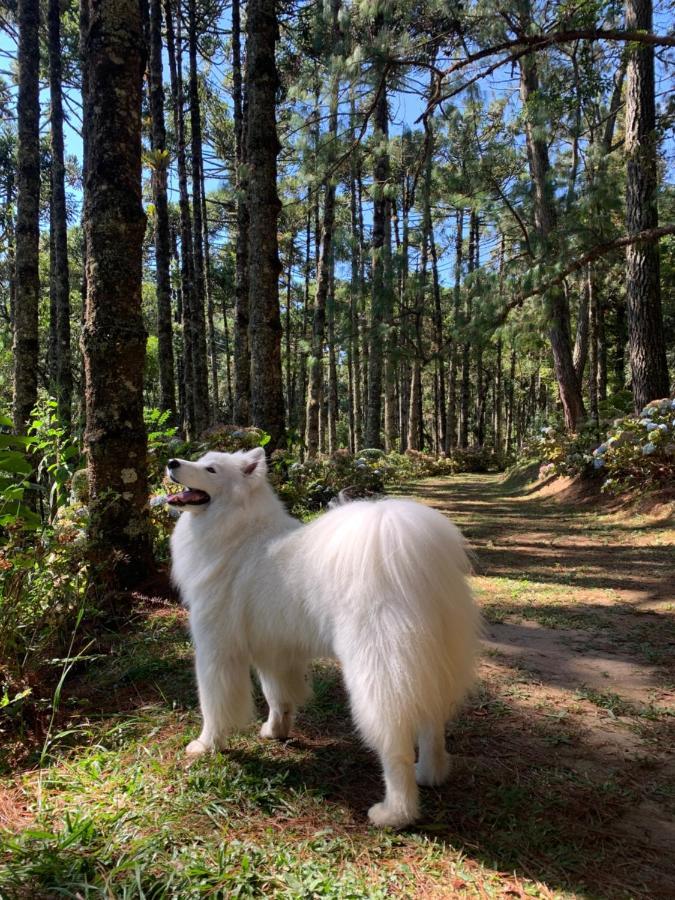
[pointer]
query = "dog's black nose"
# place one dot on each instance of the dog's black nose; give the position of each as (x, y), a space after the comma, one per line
(172, 464)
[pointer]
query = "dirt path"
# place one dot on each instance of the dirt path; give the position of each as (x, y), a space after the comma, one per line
(579, 669)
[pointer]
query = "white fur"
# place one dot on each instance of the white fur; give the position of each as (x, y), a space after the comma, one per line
(379, 585)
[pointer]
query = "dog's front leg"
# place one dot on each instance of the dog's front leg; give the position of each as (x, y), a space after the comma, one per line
(224, 684)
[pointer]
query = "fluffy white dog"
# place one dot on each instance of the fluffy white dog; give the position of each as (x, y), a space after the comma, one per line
(379, 585)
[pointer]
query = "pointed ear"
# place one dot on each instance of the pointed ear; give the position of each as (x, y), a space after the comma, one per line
(254, 463)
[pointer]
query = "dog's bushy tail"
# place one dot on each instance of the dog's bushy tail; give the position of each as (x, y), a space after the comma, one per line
(408, 629)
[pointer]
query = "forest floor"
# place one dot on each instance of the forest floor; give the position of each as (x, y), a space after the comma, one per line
(563, 782)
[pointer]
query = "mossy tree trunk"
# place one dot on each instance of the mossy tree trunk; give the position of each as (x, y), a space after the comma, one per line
(114, 336)
(647, 347)
(59, 286)
(167, 381)
(267, 399)
(27, 284)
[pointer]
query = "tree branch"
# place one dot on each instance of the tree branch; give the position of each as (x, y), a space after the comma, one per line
(647, 236)
(528, 43)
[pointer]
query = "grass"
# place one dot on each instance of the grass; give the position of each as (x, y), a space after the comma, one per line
(543, 777)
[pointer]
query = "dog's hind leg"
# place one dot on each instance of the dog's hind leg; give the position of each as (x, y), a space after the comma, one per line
(433, 764)
(225, 699)
(386, 730)
(401, 804)
(284, 691)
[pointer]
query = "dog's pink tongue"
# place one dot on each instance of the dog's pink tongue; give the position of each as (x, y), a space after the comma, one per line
(188, 497)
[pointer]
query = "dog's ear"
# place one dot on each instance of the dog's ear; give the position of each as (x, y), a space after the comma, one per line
(254, 464)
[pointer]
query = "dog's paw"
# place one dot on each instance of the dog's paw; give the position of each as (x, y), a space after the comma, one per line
(432, 776)
(273, 732)
(195, 749)
(385, 816)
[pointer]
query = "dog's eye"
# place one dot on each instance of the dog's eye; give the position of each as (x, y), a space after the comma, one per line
(210, 469)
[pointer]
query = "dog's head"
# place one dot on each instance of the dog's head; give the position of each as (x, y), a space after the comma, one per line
(216, 476)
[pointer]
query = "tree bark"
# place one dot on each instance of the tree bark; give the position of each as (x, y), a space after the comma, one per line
(647, 348)
(545, 223)
(242, 349)
(465, 390)
(114, 337)
(379, 302)
(167, 381)
(356, 291)
(174, 52)
(27, 284)
(452, 387)
(60, 284)
(315, 380)
(198, 320)
(267, 399)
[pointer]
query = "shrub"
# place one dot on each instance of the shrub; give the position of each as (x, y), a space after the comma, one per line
(639, 451)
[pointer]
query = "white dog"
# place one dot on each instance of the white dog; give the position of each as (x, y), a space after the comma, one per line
(379, 585)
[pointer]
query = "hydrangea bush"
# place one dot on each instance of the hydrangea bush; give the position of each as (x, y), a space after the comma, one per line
(638, 452)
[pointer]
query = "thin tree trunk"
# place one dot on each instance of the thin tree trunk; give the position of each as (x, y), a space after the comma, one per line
(242, 349)
(356, 291)
(114, 336)
(210, 310)
(228, 361)
(288, 333)
(27, 290)
(198, 319)
(315, 380)
(593, 345)
(301, 412)
(647, 347)
(332, 364)
(510, 411)
(452, 389)
(167, 381)
(267, 400)
(379, 301)
(621, 332)
(546, 224)
(580, 354)
(186, 252)
(465, 393)
(60, 283)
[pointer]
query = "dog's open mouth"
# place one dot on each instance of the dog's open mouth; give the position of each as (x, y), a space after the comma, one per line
(188, 497)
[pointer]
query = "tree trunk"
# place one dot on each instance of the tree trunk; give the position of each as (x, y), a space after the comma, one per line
(647, 348)
(301, 411)
(452, 387)
(60, 284)
(379, 301)
(167, 381)
(114, 337)
(465, 392)
(27, 290)
(198, 320)
(174, 52)
(355, 295)
(242, 349)
(593, 344)
(267, 399)
(210, 310)
(580, 354)
(545, 223)
(315, 379)
(332, 364)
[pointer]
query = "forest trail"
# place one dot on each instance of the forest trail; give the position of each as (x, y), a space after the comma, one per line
(563, 779)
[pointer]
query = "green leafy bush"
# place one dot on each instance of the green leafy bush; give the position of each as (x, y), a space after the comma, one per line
(639, 451)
